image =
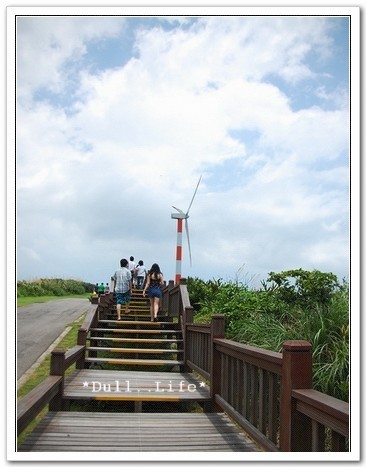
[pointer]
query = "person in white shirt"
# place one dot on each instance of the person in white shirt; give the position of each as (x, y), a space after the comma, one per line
(141, 272)
(132, 268)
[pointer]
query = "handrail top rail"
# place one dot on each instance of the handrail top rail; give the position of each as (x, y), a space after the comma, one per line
(88, 320)
(256, 352)
(31, 397)
(184, 295)
(32, 403)
(73, 354)
(199, 327)
(324, 402)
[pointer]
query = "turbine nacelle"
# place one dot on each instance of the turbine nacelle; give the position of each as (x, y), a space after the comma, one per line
(180, 214)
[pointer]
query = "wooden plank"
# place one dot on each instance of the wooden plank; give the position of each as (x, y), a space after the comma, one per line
(135, 323)
(136, 331)
(134, 361)
(138, 340)
(148, 350)
(90, 431)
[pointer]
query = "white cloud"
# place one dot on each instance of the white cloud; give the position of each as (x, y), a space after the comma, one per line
(48, 47)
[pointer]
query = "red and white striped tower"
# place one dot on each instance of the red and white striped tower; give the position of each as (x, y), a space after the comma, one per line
(178, 256)
(180, 216)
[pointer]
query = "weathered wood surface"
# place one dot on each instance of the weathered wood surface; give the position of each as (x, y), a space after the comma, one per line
(135, 386)
(126, 322)
(35, 400)
(131, 339)
(135, 361)
(136, 432)
(130, 350)
(135, 331)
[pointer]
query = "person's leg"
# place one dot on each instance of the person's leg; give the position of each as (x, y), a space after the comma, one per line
(118, 311)
(152, 308)
(156, 307)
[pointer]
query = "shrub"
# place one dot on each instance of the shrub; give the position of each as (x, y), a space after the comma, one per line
(55, 287)
(297, 305)
(304, 287)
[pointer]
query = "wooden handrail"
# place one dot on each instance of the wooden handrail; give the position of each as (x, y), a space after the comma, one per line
(62, 359)
(203, 328)
(73, 355)
(175, 299)
(323, 408)
(184, 293)
(89, 319)
(266, 359)
(30, 405)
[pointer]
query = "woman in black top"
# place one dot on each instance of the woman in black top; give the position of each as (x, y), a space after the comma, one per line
(154, 282)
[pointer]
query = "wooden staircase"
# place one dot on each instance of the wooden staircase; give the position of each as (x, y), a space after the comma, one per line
(134, 342)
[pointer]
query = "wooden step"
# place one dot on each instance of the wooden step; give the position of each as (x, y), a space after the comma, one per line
(131, 385)
(136, 340)
(136, 331)
(129, 316)
(134, 361)
(134, 350)
(128, 322)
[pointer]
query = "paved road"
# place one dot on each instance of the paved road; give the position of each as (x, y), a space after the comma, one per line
(40, 324)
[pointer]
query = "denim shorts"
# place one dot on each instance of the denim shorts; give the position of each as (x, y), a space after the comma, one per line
(154, 292)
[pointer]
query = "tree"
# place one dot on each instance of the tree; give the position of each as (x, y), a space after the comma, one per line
(297, 286)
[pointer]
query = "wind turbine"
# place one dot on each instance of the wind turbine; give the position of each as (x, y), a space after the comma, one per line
(180, 216)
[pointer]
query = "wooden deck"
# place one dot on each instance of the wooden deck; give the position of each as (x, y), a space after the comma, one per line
(151, 386)
(136, 432)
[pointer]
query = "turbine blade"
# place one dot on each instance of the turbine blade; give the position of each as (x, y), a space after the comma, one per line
(189, 243)
(194, 194)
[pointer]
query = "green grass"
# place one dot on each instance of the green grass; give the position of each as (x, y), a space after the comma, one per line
(43, 371)
(24, 301)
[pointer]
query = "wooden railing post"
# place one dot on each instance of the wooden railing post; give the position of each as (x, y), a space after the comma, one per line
(295, 429)
(188, 314)
(183, 300)
(58, 362)
(57, 369)
(187, 319)
(81, 340)
(166, 298)
(217, 331)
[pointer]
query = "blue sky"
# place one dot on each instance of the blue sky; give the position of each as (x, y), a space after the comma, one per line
(118, 117)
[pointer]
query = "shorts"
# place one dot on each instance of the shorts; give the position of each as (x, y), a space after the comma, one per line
(154, 292)
(122, 298)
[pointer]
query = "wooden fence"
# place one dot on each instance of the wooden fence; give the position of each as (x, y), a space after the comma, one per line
(268, 393)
